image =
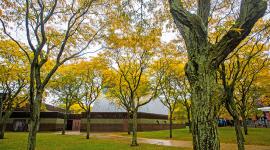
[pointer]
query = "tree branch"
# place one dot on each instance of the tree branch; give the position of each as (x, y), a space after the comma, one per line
(250, 12)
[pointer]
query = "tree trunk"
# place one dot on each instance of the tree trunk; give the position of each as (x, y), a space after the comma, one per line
(265, 119)
(88, 125)
(34, 121)
(65, 124)
(189, 122)
(128, 120)
(171, 124)
(134, 129)
(2, 129)
(231, 108)
(245, 124)
(204, 104)
(3, 123)
(239, 134)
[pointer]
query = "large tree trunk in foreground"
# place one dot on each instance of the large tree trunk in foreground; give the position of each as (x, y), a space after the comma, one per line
(88, 124)
(134, 129)
(204, 106)
(171, 123)
(204, 59)
(34, 121)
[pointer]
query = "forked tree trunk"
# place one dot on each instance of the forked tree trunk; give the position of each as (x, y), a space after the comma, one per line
(239, 134)
(204, 59)
(171, 123)
(88, 124)
(34, 121)
(134, 129)
(204, 105)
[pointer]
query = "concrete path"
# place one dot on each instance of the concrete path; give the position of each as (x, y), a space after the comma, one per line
(174, 143)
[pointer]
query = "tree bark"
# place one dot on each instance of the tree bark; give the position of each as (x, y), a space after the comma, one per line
(128, 120)
(3, 123)
(204, 105)
(189, 122)
(65, 124)
(2, 129)
(34, 121)
(88, 125)
(231, 108)
(245, 124)
(205, 58)
(239, 134)
(171, 124)
(134, 129)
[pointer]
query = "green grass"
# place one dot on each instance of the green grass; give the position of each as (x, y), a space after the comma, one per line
(51, 141)
(257, 136)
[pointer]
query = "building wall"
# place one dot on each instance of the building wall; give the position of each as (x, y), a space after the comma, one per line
(118, 122)
(100, 122)
(49, 121)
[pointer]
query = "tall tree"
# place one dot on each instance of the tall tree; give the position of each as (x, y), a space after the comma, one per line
(13, 81)
(238, 75)
(55, 31)
(119, 95)
(168, 69)
(65, 88)
(131, 41)
(184, 93)
(130, 58)
(92, 79)
(205, 58)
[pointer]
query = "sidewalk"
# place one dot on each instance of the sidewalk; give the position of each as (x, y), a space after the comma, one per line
(174, 143)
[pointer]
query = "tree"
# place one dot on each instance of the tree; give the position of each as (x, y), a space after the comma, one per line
(182, 82)
(245, 95)
(129, 55)
(205, 58)
(92, 80)
(13, 81)
(238, 74)
(169, 96)
(131, 40)
(168, 68)
(65, 87)
(119, 95)
(56, 31)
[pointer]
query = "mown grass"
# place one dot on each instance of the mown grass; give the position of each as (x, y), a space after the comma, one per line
(52, 141)
(256, 136)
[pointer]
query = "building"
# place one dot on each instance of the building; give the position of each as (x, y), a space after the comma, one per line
(105, 117)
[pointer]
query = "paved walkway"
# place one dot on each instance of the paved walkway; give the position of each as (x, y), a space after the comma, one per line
(174, 143)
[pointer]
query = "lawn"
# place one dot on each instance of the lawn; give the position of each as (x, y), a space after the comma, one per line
(51, 141)
(257, 136)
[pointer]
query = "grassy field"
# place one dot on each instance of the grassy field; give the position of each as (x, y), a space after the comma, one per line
(257, 136)
(51, 141)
